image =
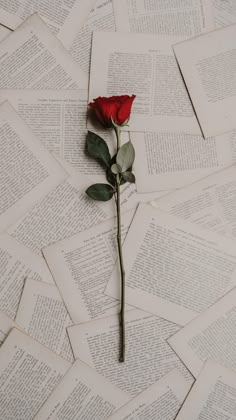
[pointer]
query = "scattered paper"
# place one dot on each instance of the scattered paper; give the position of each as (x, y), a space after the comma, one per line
(207, 65)
(210, 336)
(43, 315)
(82, 265)
(148, 356)
(32, 57)
(28, 374)
(212, 396)
(162, 102)
(82, 394)
(194, 158)
(174, 269)
(162, 400)
(166, 18)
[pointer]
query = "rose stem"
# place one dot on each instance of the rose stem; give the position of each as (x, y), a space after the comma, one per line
(121, 262)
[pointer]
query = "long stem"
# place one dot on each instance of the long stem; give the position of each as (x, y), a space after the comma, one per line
(121, 262)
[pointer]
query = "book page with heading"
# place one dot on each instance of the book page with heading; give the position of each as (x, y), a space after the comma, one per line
(143, 65)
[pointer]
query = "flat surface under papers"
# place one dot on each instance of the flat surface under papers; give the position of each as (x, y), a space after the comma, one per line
(207, 63)
(143, 65)
(174, 269)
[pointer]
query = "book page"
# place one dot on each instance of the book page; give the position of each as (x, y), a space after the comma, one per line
(160, 401)
(58, 119)
(148, 355)
(6, 324)
(195, 157)
(207, 63)
(33, 58)
(210, 202)
(187, 18)
(4, 32)
(43, 315)
(16, 264)
(64, 211)
(79, 42)
(28, 374)
(143, 65)
(13, 13)
(211, 335)
(82, 394)
(174, 269)
(27, 171)
(213, 395)
(82, 265)
(225, 12)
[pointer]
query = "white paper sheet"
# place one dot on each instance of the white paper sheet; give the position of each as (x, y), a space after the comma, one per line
(43, 315)
(56, 15)
(64, 211)
(79, 41)
(143, 65)
(16, 264)
(168, 18)
(58, 119)
(210, 202)
(28, 374)
(33, 58)
(27, 171)
(213, 396)
(6, 324)
(210, 336)
(4, 32)
(82, 265)
(82, 394)
(225, 12)
(148, 356)
(166, 161)
(174, 269)
(161, 401)
(207, 63)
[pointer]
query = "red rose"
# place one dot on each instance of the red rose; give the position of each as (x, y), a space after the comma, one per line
(116, 108)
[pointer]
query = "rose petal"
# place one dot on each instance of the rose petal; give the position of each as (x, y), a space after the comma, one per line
(125, 109)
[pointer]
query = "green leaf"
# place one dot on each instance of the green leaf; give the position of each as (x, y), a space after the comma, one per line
(110, 176)
(116, 169)
(97, 148)
(100, 192)
(125, 156)
(128, 177)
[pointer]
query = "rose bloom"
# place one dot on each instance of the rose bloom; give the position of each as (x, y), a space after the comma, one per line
(116, 108)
